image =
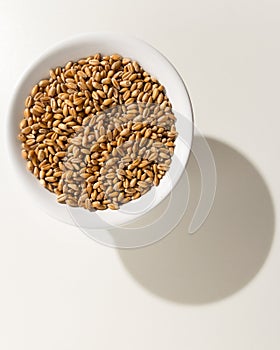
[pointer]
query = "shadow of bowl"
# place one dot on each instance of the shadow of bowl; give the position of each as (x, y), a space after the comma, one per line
(228, 250)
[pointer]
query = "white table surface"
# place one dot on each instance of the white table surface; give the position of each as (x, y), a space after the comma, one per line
(218, 289)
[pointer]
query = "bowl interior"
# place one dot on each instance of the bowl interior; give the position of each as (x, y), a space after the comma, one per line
(154, 63)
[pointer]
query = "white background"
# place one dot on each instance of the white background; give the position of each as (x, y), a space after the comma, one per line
(60, 290)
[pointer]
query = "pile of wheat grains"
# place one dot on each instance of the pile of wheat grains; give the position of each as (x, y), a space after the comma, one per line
(98, 132)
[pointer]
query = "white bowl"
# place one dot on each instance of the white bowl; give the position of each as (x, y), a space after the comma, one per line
(154, 63)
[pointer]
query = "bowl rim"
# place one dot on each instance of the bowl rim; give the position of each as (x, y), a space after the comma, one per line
(10, 143)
